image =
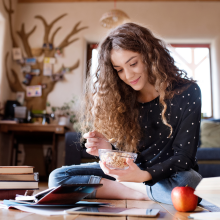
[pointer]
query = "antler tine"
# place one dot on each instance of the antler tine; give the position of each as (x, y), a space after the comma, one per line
(24, 38)
(74, 66)
(52, 38)
(68, 43)
(57, 19)
(10, 12)
(48, 27)
(75, 30)
(31, 32)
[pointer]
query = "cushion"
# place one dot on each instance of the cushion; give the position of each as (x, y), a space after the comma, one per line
(212, 154)
(210, 134)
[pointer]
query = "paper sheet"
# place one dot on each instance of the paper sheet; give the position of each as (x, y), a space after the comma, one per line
(206, 215)
(41, 211)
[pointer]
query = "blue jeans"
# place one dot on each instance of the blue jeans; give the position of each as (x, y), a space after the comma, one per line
(92, 173)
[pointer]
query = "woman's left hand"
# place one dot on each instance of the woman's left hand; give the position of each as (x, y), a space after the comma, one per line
(132, 174)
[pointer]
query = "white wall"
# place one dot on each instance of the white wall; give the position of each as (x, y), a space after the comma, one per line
(5, 46)
(5, 92)
(173, 21)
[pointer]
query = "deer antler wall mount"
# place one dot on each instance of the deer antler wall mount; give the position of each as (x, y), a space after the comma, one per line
(39, 103)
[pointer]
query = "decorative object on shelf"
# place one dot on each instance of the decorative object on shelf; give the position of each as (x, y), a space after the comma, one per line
(59, 53)
(27, 79)
(48, 50)
(20, 97)
(36, 52)
(114, 17)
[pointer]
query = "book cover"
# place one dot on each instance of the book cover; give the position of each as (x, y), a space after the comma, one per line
(11, 193)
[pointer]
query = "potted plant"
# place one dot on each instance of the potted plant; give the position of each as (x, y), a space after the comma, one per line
(65, 113)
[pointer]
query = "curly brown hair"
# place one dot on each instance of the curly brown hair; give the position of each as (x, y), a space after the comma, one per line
(110, 106)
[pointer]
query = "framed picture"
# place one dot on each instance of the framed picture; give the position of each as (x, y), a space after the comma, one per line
(34, 91)
(25, 69)
(30, 61)
(47, 71)
(35, 72)
(50, 60)
(16, 52)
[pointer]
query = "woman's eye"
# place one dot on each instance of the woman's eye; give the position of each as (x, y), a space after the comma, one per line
(133, 64)
(119, 71)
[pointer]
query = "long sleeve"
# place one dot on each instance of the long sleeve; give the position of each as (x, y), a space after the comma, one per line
(178, 152)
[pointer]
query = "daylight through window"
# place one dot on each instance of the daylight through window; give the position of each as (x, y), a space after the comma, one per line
(195, 60)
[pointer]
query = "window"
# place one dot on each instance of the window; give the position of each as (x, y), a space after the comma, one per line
(195, 60)
(92, 54)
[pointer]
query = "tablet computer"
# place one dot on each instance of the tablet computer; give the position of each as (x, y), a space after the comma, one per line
(113, 211)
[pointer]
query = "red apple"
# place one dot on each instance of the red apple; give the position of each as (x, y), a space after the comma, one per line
(184, 199)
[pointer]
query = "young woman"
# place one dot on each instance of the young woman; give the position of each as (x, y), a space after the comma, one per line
(149, 106)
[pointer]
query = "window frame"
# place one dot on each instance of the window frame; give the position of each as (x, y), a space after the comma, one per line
(200, 45)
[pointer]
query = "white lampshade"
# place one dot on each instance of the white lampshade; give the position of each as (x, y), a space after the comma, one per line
(114, 18)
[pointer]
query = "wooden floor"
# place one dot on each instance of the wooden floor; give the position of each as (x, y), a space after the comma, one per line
(167, 212)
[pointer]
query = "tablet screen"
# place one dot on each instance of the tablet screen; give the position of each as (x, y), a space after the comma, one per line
(114, 211)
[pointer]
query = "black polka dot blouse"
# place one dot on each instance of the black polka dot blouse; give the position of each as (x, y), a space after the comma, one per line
(159, 154)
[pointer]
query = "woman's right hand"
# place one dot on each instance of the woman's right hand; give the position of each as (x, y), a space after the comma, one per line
(93, 142)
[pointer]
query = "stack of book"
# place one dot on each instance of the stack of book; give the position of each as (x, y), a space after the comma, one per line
(17, 180)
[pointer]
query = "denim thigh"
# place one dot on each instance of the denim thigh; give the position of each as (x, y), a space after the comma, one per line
(161, 191)
(76, 174)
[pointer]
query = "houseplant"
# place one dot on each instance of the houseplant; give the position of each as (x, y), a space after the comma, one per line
(64, 113)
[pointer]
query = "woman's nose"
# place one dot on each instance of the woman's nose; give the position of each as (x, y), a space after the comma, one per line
(129, 74)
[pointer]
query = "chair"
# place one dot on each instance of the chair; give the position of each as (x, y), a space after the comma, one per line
(75, 152)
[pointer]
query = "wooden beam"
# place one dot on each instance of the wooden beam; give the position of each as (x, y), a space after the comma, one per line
(60, 1)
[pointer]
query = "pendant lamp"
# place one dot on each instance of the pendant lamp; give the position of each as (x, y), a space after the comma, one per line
(113, 18)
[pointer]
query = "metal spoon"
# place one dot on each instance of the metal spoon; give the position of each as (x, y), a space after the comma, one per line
(113, 143)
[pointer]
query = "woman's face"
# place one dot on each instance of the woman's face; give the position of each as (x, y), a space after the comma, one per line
(130, 68)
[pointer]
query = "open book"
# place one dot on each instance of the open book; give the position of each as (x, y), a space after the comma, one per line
(61, 195)
(209, 190)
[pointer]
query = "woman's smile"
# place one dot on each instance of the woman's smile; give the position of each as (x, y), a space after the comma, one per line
(135, 81)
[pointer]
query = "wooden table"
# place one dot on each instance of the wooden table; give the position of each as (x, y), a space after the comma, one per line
(167, 212)
(19, 130)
